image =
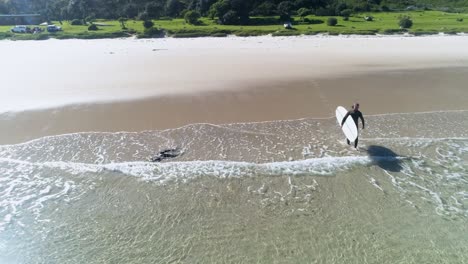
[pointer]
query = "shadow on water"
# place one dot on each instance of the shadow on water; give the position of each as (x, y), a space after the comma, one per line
(384, 158)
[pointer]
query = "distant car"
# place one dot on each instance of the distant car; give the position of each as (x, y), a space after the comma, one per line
(53, 28)
(19, 29)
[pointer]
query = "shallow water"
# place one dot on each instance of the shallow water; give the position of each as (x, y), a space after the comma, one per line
(272, 192)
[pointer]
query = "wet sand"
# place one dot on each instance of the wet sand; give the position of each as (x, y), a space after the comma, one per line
(132, 85)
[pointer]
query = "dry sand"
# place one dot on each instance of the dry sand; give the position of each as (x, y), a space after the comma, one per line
(64, 86)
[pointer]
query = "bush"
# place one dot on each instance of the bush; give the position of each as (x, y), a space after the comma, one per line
(460, 19)
(76, 22)
(345, 18)
(405, 22)
(148, 24)
(192, 17)
(92, 27)
(332, 21)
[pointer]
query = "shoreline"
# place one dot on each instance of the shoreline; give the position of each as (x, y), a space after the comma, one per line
(398, 92)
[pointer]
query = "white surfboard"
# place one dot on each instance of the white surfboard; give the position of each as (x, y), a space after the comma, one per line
(349, 127)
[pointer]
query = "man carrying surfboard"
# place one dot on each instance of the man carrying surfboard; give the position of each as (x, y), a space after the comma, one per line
(355, 114)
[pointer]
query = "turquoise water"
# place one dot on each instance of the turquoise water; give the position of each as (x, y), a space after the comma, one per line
(271, 192)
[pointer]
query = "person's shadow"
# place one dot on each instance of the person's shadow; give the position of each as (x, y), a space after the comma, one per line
(384, 158)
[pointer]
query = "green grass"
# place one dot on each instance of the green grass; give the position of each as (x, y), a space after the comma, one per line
(424, 22)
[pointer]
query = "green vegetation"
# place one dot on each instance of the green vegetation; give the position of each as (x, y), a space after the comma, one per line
(424, 22)
(218, 18)
(192, 17)
(147, 24)
(93, 27)
(240, 11)
(405, 22)
(332, 21)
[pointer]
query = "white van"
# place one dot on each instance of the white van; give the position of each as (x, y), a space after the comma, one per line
(19, 29)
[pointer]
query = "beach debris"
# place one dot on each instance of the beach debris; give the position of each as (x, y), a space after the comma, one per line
(166, 154)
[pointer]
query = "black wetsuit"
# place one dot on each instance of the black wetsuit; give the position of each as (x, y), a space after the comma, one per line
(355, 115)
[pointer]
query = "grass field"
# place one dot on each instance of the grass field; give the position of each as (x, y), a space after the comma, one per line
(424, 22)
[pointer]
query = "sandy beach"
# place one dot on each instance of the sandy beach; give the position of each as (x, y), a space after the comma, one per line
(227, 150)
(65, 86)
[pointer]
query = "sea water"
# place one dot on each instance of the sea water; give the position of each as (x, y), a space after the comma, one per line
(272, 192)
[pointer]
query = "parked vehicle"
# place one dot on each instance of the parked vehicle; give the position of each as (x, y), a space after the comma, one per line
(19, 29)
(53, 28)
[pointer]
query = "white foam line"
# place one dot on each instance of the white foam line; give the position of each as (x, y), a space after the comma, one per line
(216, 168)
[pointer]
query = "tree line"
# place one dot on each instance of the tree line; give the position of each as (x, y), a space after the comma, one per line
(224, 11)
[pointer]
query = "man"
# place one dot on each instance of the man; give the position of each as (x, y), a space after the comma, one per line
(355, 114)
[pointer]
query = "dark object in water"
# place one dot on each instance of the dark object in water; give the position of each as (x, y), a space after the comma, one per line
(166, 154)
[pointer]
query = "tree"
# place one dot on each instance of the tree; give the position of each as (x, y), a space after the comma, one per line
(77, 9)
(242, 8)
(231, 18)
(192, 17)
(284, 10)
(265, 9)
(302, 4)
(130, 10)
(202, 6)
(143, 16)
(340, 7)
(346, 13)
(303, 12)
(218, 9)
(332, 21)
(122, 21)
(405, 22)
(3, 8)
(154, 9)
(174, 8)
